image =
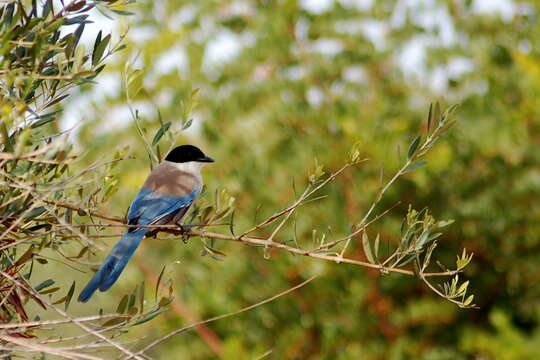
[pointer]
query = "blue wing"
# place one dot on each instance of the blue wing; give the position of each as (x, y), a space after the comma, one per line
(149, 207)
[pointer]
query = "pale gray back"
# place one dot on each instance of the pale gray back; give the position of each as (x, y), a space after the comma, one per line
(168, 180)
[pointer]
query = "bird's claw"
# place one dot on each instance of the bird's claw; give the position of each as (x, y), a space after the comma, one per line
(184, 230)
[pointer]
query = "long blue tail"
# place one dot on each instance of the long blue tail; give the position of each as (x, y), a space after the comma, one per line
(112, 267)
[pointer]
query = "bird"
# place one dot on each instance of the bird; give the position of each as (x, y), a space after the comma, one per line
(164, 198)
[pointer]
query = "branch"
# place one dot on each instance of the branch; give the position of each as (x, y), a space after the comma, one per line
(35, 347)
(31, 290)
(219, 317)
(57, 321)
(247, 240)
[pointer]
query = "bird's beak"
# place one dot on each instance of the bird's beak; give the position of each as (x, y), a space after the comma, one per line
(205, 159)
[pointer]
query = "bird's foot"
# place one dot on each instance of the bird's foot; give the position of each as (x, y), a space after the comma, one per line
(184, 230)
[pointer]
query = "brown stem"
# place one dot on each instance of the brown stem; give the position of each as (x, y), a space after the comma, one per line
(265, 243)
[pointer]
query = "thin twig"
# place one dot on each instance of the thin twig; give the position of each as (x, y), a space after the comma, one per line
(31, 290)
(35, 347)
(57, 321)
(219, 317)
(297, 203)
(263, 242)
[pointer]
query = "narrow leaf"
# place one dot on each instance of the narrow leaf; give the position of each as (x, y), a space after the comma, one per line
(376, 247)
(463, 288)
(469, 300)
(149, 317)
(100, 49)
(408, 260)
(70, 295)
(413, 147)
(430, 117)
(114, 321)
(96, 44)
(24, 258)
(141, 298)
(44, 284)
(187, 124)
(367, 248)
(49, 291)
(414, 166)
(437, 114)
(162, 130)
(159, 281)
(122, 305)
(122, 13)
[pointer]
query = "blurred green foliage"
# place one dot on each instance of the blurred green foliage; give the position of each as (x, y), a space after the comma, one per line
(45, 202)
(40, 62)
(284, 87)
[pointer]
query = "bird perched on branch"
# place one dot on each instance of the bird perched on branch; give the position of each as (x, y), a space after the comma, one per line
(165, 197)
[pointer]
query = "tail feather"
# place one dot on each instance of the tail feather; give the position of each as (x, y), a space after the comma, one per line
(112, 267)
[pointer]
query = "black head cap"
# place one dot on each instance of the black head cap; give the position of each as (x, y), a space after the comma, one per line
(186, 153)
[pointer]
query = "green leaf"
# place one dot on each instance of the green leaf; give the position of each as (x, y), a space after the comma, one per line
(159, 281)
(35, 213)
(122, 305)
(463, 288)
(450, 111)
(425, 238)
(187, 124)
(49, 291)
(122, 13)
(444, 223)
(408, 260)
(131, 300)
(149, 317)
(437, 114)
(464, 260)
(141, 297)
(213, 251)
(427, 258)
(103, 10)
(413, 147)
(47, 7)
(81, 19)
(376, 247)
(231, 224)
(414, 166)
(44, 284)
(114, 321)
(96, 44)
(70, 295)
(134, 83)
(25, 257)
(354, 154)
(433, 237)
(99, 48)
(430, 117)
(45, 119)
(367, 248)
(469, 300)
(159, 134)
(56, 100)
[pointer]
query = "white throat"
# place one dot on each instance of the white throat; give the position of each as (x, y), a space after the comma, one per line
(191, 167)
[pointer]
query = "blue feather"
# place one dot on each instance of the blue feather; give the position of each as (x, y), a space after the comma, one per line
(147, 208)
(112, 267)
